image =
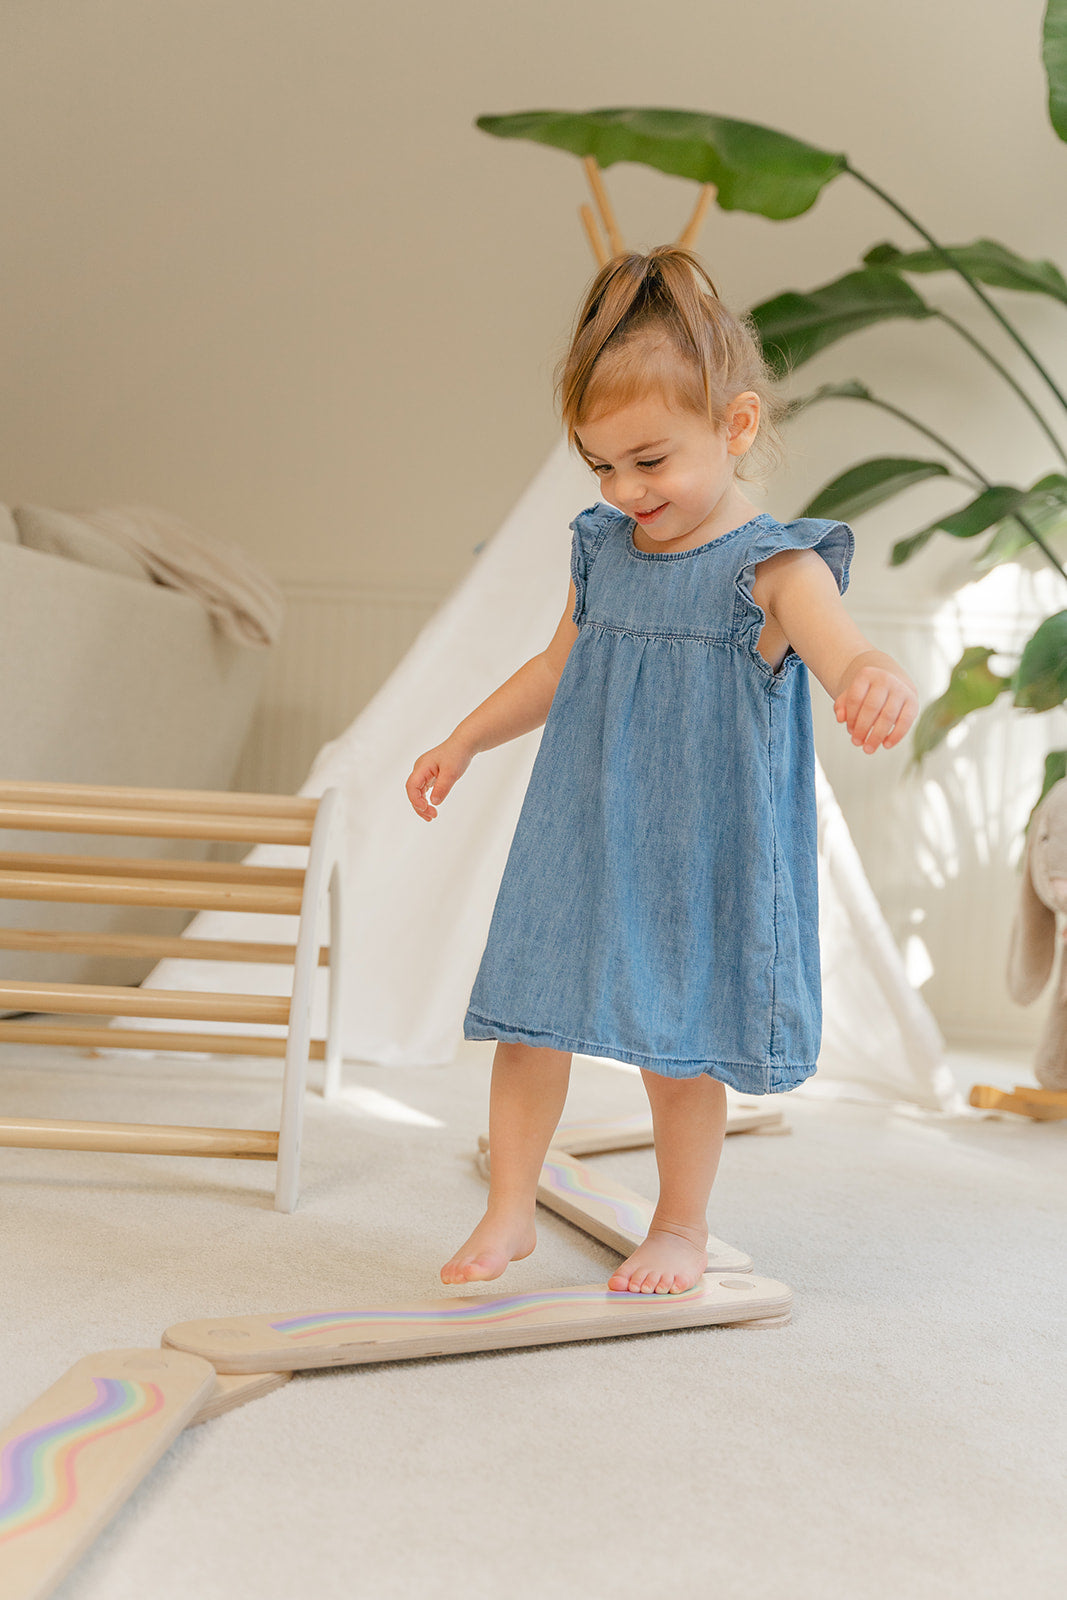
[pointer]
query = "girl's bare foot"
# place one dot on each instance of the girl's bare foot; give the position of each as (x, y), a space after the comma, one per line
(499, 1238)
(670, 1260)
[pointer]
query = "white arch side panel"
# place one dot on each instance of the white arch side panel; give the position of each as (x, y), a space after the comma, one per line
(322, 858)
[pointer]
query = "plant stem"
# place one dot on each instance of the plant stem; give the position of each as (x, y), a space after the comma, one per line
(964, 274)
(965, 333)
(920, 427)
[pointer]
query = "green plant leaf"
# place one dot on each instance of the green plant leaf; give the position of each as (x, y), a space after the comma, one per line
(1055, 769)
(793, 326)
(972, 684)
(1044, 505)
(868, 484)
(985, 260)
(1054, 55)
(981, 513)
(1041, 678)
(754, 168)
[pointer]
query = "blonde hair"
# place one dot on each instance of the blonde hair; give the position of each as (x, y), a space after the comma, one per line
(648, 326)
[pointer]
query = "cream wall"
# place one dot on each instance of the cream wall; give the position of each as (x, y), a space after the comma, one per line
(260, 268)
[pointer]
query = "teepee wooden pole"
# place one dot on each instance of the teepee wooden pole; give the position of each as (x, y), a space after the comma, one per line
(592, 233)
(600, 195)
(687, 237)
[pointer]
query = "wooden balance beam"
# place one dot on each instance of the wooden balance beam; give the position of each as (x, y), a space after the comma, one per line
(73, 1457)
(606, 1210)
(594, 1136)
(78, 1452)
(458, 1325)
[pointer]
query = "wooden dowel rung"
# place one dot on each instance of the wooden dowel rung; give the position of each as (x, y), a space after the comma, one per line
(48, 941)
(140, 867)
(155, 824)
(223, 1044)
(74, 888)
(98, 999)
(218, 802)
(136, 1138)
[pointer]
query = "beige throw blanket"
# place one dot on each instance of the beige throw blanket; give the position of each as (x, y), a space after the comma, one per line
(243, 599)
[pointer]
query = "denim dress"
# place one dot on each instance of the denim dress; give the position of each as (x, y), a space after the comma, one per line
(659, 903)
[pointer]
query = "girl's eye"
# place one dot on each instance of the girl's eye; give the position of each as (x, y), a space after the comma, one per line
(603, 467)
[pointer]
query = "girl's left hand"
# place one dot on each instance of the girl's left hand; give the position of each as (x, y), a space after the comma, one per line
(878, 706)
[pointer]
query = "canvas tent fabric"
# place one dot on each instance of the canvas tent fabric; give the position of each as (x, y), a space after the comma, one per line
(419, 895)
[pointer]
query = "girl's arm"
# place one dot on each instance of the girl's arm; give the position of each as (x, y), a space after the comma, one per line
(872, 693)
(518, 706)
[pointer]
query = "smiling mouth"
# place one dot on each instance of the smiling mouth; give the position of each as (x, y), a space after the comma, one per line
(644, 515)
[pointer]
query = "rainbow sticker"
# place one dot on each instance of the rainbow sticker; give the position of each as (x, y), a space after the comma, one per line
(37, 1477)
(473, 1314)
(630, 1216)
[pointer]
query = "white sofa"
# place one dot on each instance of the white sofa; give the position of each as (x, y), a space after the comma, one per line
(109, 677)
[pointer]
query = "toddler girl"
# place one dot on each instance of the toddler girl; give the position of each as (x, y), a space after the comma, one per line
(659, 904)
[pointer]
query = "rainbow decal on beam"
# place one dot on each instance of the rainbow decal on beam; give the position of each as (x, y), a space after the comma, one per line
(37, 1476)
(629, 1216)
(472, 1314)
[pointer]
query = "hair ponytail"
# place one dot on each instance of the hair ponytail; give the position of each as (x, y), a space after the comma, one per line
(656, 323)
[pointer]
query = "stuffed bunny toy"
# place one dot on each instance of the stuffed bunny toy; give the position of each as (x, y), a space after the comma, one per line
(1033, 934)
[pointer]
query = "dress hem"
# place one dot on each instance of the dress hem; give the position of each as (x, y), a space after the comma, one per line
(738, 1074)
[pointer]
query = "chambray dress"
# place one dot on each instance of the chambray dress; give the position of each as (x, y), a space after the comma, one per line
(659, 903)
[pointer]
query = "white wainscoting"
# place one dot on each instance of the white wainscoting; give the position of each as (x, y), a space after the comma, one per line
(340, 643)
(941, 846)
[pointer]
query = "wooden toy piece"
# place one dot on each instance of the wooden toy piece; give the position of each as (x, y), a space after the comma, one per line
(617, 1216)
(1025, 1102)
(768, 1322)
(456, 1325)
(71, 1459)
(592, 1137)
(1043, 1097)
(234, 1389)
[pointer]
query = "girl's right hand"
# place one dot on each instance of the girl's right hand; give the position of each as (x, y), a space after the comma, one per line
(440, 767)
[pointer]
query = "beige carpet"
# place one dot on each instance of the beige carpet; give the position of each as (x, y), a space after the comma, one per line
(903, 1437)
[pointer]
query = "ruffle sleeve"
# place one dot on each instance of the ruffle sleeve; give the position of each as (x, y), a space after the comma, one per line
(835, 542)
(589, 528)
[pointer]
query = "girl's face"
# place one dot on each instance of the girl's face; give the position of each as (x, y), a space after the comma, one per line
(671, 470)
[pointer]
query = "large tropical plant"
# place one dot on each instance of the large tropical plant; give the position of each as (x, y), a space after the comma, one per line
(745, 166)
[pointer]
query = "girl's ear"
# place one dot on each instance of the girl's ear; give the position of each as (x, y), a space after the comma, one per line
(1033, 934)
(743, 422)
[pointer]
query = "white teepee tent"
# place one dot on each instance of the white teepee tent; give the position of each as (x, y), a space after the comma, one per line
(419, 895)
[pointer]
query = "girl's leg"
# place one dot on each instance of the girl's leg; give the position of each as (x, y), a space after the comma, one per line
(526, 1098)
(689, 1122)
